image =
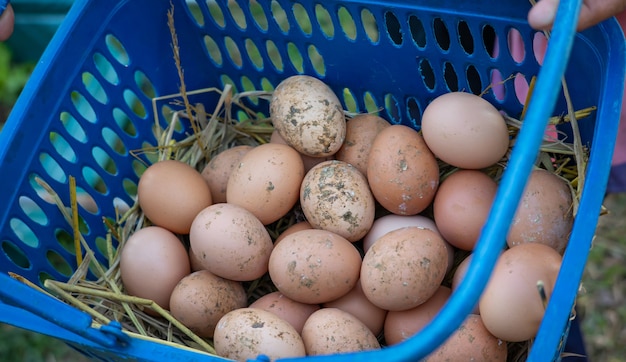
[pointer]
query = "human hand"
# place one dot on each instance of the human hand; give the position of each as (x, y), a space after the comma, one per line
(7, 20)
(541, 16)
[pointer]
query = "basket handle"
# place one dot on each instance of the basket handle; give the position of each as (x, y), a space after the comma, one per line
(55, 311)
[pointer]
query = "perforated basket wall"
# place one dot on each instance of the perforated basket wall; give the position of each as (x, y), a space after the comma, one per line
(88, 104)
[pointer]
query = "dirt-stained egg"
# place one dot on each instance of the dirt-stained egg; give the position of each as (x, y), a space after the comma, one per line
(360, 133)
(402, 172)
(218, 170)
(295, 313)
(308, 115)
(307, 161)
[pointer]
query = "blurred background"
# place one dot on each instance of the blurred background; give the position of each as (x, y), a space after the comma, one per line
(601, 304)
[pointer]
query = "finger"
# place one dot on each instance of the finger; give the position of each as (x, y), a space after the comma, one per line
(7, 20)
(541, 15)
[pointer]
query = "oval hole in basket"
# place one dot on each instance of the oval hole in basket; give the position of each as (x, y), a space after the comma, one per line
(130, 188)
(258, 15)
(521, 87)
(414, 112)
(114, 141)
(135, 105)
(41, 192)
(94, 88)
(449, 75)
(32, 210)
(370, 26)
(295, 57)
(302, 18)
(473, 79)
(16, 255)
(213, 50)
(370, 103)
(237, 14)
(267, 85)
(195, 12)
(217, 15)
(254, 54)
(65, 239)
(24, 232)
(418, 33)
(497, 85)
(124, 122)
(442, 35)
(104, 160)
(248, 86)
(317, 61)
(274, 55)
(465, 37)
(83, 107)
(59, 263)
(427, 72)
(349, 100)
(72, 127)
(43, 276)
(394, 30)
(490, 41)
(117, 50)
(280, 17)
(392, 108)
(168, 116)
(144, 84)
(233, 51)
(225, 79)
(515, 43)
(540, 44)
(52, 168)
(324, 21)
(348, 26)
(121, 205)
(62, 147)
(94, 180)
(105, 68)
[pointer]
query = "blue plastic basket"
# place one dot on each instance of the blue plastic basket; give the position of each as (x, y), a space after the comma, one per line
(88, 104)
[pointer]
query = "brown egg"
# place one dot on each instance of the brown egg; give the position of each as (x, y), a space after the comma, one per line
(302, 225)
(471, 342)
(152, 261)
(218, 170)
(544, 214)
(171, 193)
(464, 130)
(462, 205)
(360, 133)
(402, 172)
(331, 330)
(458, 276)
(307, 161)
(314, 266)
(402, 325)
(295, 313)
(229, 241)
(511, 307)
(201, 298)
(335, 196)
(404, 268)
(267, 181)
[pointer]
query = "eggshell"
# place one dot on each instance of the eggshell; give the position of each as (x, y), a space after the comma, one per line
(218, 170)
(295, 313)
(229, 241)
(335, 196)
(402, 172)
(462, 205)
(302, 225)
(152, 261)
(314, 266)
(361, 131)
(544, 214)
(402, 325)
(464, 130)
(244, 334)
(171, 193)
(308, 115)
(201, 298)
(511, 307)
(471, 342)
(404, 268)
(266, 181)
(331, 330)
(307, 161)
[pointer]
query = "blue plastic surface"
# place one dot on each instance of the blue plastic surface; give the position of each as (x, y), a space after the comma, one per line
(88, 104)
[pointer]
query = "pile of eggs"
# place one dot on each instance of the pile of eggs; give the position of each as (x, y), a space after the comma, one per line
(372, 260)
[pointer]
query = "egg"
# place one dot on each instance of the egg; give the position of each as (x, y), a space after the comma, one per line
(308, 115)
(511, 307)
(244, 334)
(152, 261)
(266, 181)
(335, 196)
(459, 274)
(401, 171)
(404, 268)
(307, 161)
(171, 193)
(314, 266)
(229, 241)
(218, 170)
(201, 298)
(464, 130)
(361, 130)
(331, 330)
(545, 212)
(461, 206)
(302, 225)
(295, 313)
